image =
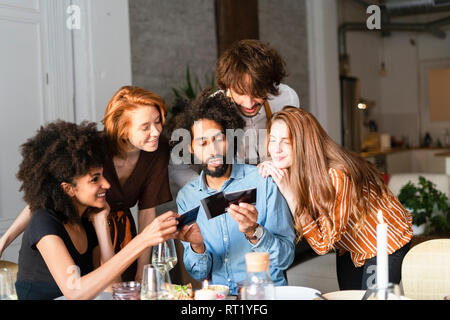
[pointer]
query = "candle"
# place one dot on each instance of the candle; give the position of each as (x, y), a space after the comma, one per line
(205, 293)
(382, 255)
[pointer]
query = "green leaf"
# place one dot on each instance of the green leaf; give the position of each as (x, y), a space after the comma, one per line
(192, 86)
(424, 201)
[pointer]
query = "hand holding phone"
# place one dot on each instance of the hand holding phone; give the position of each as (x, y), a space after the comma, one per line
(188, 218)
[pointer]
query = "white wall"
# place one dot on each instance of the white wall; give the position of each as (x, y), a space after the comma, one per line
(111, 50)
(36, 46)
(400, 104)
(322, 19)
(36, 84)
(399, 101)
(22, 96)
(102, 56)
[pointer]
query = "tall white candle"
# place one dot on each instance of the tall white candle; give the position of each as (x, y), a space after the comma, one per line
(382, 255)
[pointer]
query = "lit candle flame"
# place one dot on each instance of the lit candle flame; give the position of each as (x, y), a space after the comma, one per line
(380, 216)
(205, 284)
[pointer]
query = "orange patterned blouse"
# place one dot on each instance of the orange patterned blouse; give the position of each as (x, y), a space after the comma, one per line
(363, 244)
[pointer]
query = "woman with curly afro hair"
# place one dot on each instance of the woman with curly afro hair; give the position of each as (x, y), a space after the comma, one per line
(66, 248)
(136, 166)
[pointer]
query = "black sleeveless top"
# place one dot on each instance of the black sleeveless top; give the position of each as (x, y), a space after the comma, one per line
(34, 280)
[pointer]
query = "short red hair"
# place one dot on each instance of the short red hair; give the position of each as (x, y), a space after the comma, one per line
(117, 121)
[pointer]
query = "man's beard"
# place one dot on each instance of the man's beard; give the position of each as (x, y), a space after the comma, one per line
(218, 171)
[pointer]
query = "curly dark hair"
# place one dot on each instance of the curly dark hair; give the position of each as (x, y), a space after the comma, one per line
(59, 152)
(261, 62)
(215, 106)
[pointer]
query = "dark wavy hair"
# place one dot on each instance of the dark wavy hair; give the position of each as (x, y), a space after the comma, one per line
(59, 152)
(255, 59)
(215, 106)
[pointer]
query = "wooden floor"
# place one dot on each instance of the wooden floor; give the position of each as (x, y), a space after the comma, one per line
(313, 271)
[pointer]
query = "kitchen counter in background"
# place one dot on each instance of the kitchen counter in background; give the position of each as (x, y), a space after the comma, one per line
(396, 150)
(402, 160)
(446, 156)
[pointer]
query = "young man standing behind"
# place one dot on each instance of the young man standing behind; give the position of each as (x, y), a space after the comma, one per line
(250, 74)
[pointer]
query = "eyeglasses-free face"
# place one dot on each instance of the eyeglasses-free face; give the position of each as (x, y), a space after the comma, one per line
(247, 105)
(280, 146)
(209, 144)
(145, 129)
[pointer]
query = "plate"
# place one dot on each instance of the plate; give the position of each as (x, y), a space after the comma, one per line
(295, 293)
(101, 296)
(354, 295)
(345, 295)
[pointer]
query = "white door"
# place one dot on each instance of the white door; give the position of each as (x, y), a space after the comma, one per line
(36, 86)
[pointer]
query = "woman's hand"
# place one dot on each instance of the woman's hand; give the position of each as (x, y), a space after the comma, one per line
(98, 216)
(263, 168)
(282, 179)
(280, 176)
(305, 219)
(162, 228)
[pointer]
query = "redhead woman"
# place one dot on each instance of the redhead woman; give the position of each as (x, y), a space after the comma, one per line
(66, 247)
(334, 196)
(136, 166)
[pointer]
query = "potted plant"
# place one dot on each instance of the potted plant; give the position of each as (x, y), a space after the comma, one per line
(185, 95)
(192, 88)
(428, 206)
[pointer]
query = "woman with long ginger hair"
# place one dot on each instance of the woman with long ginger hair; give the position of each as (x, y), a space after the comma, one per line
(334, 196)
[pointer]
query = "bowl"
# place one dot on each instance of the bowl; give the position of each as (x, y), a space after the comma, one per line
(295, 293)
(220, 290)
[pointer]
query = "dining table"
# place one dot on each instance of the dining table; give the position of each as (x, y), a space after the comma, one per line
(290, 293)
(281, 293)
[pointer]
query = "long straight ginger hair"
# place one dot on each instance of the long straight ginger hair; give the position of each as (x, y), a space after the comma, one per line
(313, 154)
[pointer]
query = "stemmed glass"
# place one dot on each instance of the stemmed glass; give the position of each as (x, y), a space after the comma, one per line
(164, 254)
(7, 290)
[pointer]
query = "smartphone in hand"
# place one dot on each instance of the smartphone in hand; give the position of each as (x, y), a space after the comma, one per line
(188, 218)
(217, 204)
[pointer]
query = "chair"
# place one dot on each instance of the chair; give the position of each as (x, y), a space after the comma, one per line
(426, 271)
(398, 180)
(13, 267)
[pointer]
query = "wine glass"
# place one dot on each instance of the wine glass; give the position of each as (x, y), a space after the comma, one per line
(171, 254)
(7, 290)
(164, 254)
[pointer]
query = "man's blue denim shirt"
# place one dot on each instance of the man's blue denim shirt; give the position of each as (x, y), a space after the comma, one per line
(223, 262)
